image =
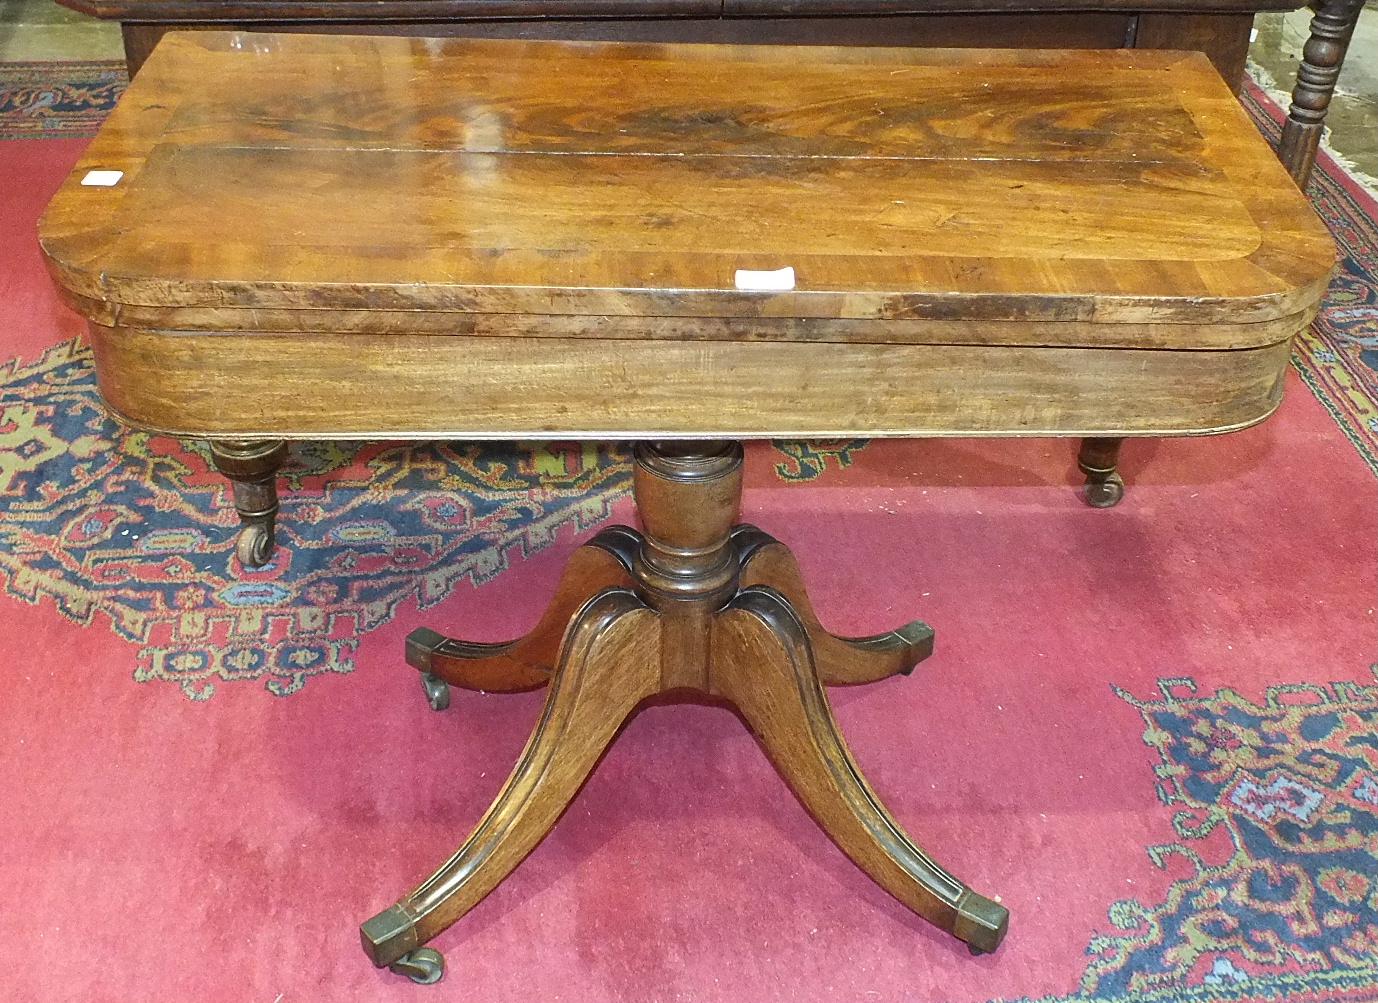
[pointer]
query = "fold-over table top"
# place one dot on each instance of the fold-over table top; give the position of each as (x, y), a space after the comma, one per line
(290, 172)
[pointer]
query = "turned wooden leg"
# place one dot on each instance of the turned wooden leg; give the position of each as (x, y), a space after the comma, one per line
(141, 39)
(1324, 53)
(1223, 37)
(252, 469)
(840, 660)
(688, 495)
(526, 663)
(139, 43)
(1098, 460)
(763, 663)
(608, 664)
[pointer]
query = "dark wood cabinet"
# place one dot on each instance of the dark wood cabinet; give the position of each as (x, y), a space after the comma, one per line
(1219, 28)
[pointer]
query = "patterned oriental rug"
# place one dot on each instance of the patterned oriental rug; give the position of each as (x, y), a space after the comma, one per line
(1151, 730)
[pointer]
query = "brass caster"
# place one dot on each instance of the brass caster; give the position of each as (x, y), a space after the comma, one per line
(437, 691)
(425, 965)
(255, 546)
(1104, 493)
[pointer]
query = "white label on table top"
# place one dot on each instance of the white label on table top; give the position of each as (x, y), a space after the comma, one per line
(102, 179)
(779, 280)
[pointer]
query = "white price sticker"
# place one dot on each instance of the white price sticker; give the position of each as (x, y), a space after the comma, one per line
(780, 280)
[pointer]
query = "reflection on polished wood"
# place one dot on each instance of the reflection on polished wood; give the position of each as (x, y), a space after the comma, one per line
(588, 180)
(526, 663)
(695, 603)
(543, 237)
(767, 563)
(342, 237)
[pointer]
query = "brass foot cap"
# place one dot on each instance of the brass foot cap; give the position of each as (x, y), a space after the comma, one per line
(981, 923)
(919, 636)
(421, 644)
(388, 936)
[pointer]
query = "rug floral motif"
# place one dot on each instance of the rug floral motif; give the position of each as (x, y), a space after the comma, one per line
(1275, 805)
(139, 530)
(806, 461)
(66, 99)
(1338, 356)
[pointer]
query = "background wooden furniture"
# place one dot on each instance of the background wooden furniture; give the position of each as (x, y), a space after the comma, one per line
(1219, 28)
(388, 237)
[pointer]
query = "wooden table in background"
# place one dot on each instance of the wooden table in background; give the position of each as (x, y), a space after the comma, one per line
(1219, 28)
(411, 238)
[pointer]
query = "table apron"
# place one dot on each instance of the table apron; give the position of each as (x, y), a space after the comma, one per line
(428, 386)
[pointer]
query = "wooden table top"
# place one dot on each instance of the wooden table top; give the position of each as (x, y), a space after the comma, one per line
(299, 172)
(326, 236)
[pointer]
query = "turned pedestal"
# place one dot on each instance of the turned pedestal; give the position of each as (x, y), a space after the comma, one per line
(695, 603)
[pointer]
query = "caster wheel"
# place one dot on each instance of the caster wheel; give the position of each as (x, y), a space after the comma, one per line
(255, 546)
(425, 965)
(437, 691)
(1106, 493)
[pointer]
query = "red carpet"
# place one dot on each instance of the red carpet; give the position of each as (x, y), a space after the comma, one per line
(1148, 729)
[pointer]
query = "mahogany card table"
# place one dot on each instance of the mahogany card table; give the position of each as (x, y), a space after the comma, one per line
(284, 237)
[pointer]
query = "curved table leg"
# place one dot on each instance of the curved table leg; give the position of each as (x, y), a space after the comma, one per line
(525, 663)
(763, 664)
(609, 663)
(840, 660)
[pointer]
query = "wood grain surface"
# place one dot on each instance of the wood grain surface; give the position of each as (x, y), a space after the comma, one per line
(696, 604)
(296, 387)
(321, 170)
(544, 237)
(424, 10)
(607, 667)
